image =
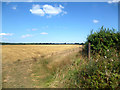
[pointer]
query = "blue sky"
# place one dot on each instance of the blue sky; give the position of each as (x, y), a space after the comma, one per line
(55, 21)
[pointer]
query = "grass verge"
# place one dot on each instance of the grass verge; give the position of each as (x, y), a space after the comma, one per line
(95, 73)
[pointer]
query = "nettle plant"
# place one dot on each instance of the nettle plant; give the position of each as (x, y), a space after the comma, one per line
(104, 41)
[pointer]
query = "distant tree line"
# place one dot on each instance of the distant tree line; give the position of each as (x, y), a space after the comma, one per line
(3, 43)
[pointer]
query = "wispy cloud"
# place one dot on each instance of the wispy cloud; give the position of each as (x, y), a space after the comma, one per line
(14, 7)
(29, 0)
(43, 33)
(34, 29)
(7, 2)
(95, 21)
(113, 1)
(6, 34)
(3, 39)
(48, 10)
(27, 35)
(45, 27)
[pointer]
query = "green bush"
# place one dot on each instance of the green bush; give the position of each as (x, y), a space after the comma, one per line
(103, 40)
(102, 73)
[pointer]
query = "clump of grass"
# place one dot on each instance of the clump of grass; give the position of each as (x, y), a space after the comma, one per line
(41, 74)
(44, 69)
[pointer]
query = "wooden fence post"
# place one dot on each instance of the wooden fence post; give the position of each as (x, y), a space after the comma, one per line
(89, 51)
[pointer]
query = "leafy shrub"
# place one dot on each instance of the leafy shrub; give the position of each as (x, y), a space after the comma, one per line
(102, 73)
(103, 40)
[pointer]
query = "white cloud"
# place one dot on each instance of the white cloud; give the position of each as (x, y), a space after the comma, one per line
(95, 21)
(14, 7)
(6, 34)
(61, 6)
(46, 9)
(37, 11)
(27, 35)
(43, 33)
(113, 1)
(109, 1)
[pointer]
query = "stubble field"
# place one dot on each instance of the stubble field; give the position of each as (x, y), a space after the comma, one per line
(11, 53)
(32, 66)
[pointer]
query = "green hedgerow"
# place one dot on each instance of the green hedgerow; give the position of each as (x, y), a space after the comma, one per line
(103, 40)
(102, 72)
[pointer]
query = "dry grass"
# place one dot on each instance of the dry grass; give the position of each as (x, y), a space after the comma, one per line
(27, 72)
(11, 53)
